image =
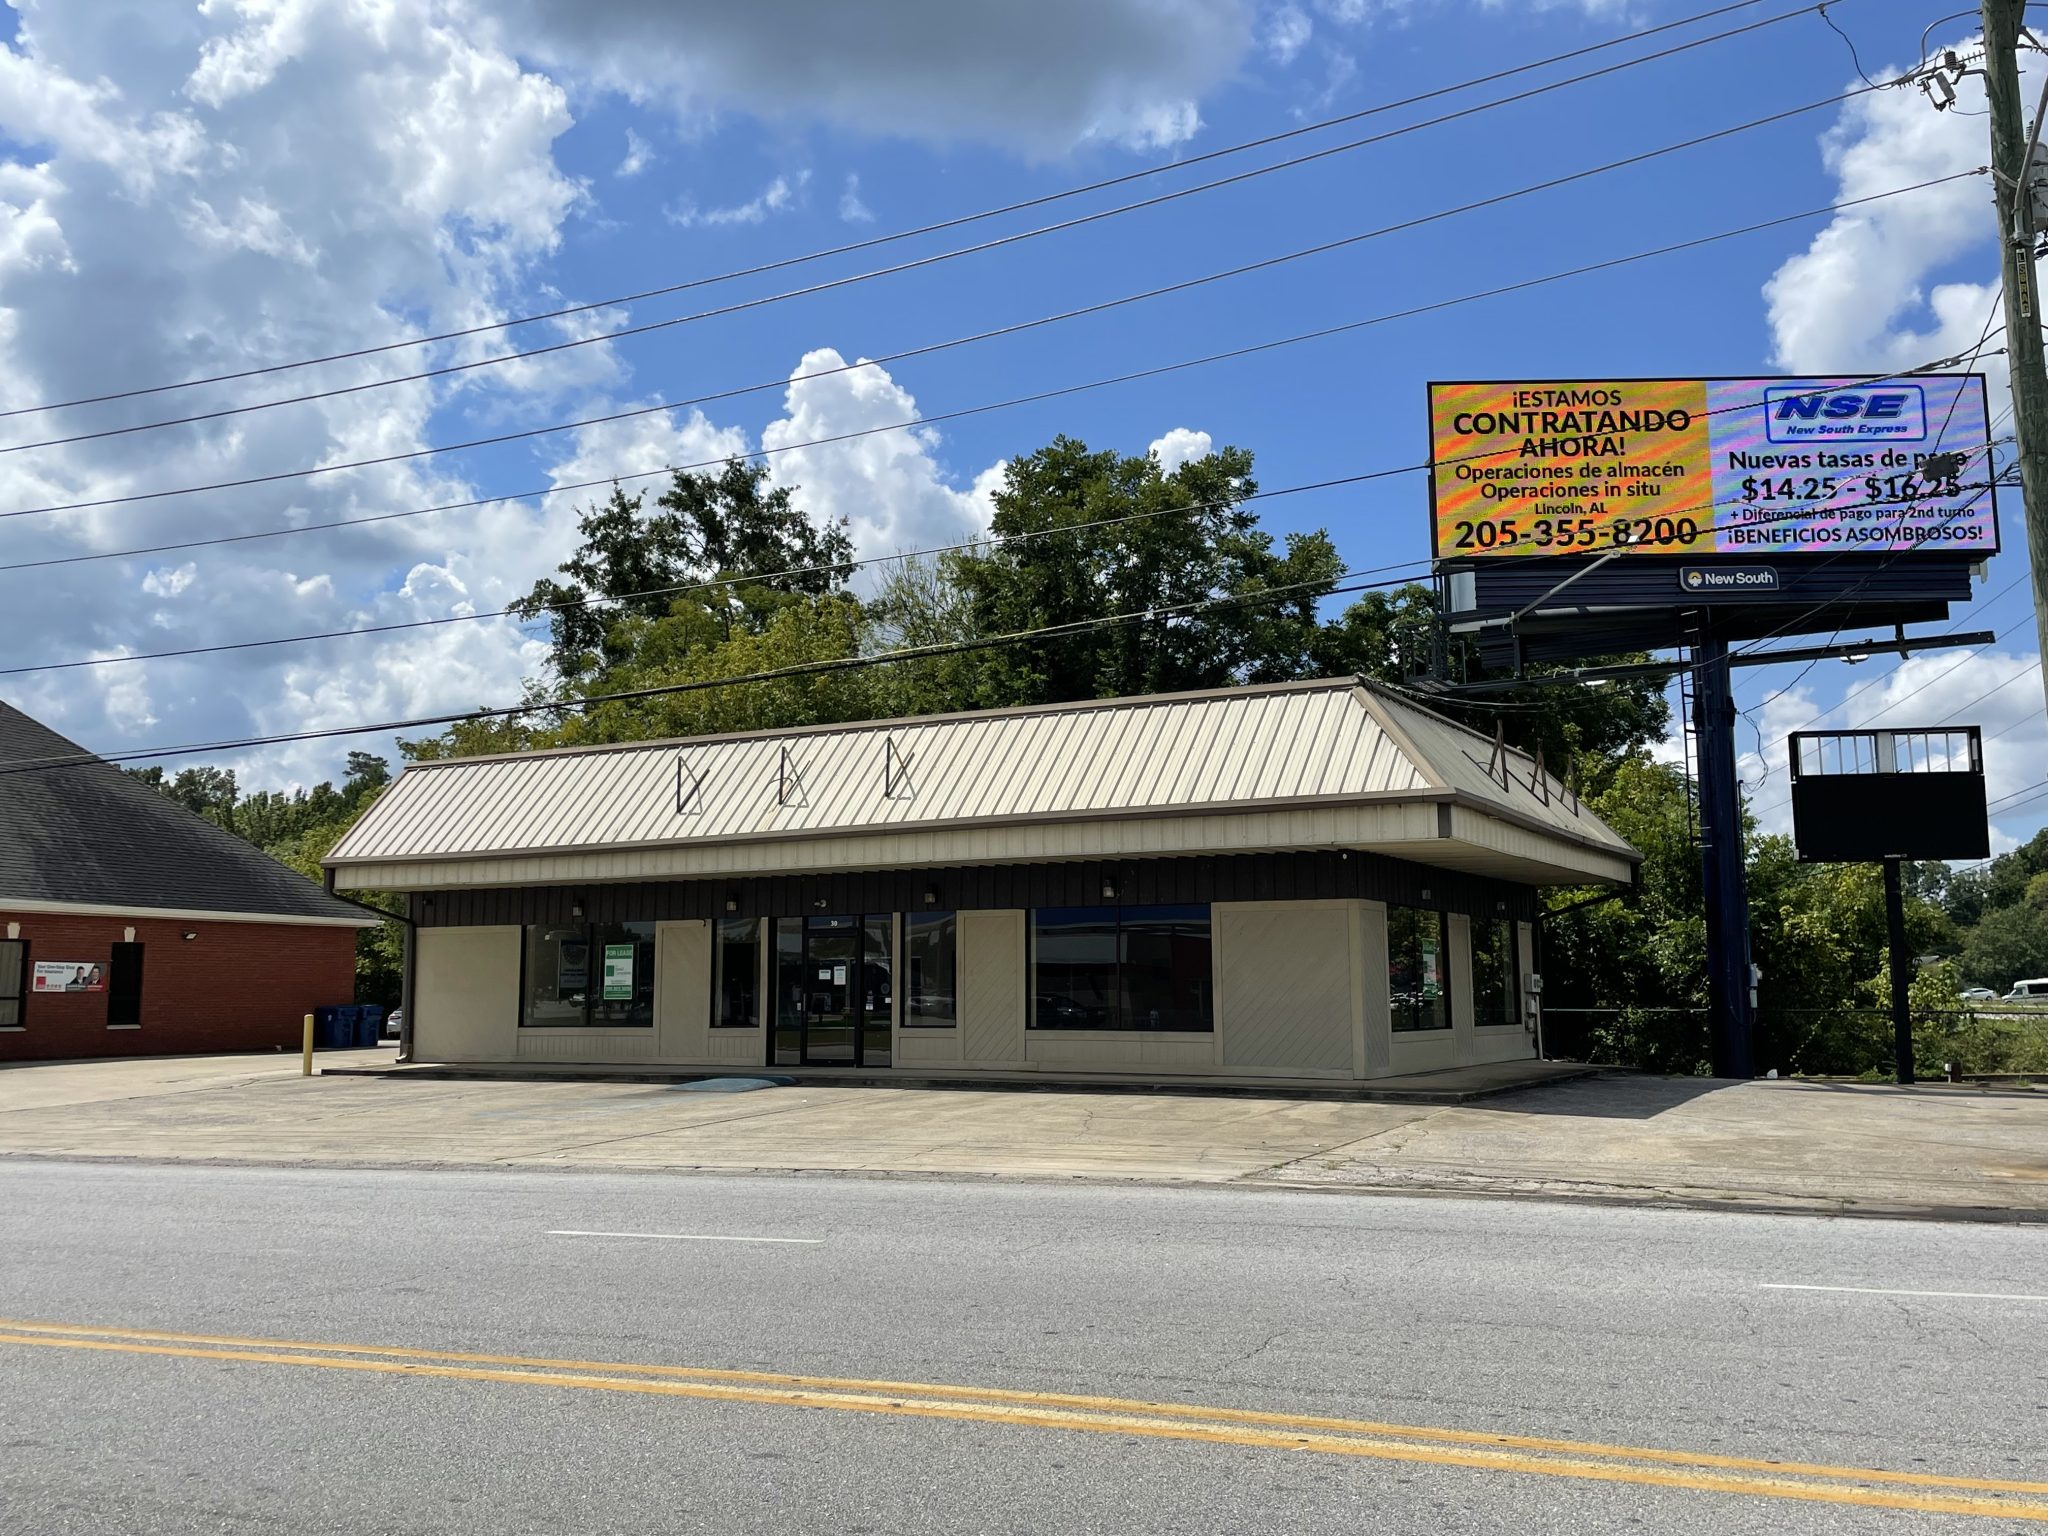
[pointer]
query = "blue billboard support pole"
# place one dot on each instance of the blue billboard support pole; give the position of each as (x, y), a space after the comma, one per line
(1722, 880)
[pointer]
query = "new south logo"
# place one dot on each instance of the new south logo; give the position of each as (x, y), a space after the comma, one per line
(1695, 579)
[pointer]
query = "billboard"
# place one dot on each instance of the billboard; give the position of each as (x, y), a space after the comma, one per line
(1762, 468)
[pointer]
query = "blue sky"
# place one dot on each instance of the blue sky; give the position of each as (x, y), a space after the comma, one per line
(188, 190)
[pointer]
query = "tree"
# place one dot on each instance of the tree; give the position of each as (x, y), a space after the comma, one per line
(706, 529)
(208, 792)
(1179, 553)
(2010, 944)
(1640, 957)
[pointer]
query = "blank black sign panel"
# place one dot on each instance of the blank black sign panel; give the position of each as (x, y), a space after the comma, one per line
(1862, 796)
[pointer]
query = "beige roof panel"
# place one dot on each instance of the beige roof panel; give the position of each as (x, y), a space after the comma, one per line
(1272, 746)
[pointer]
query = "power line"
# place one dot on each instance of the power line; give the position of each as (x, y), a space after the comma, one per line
(764, 578)
(916, 264)
(955, 222)
(1016, 328)
(1034, 398)
(775, 674)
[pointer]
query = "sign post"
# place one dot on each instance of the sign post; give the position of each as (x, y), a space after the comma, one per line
(1724, 880)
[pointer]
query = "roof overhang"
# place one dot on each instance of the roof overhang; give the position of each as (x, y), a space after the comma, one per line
(1442, 828)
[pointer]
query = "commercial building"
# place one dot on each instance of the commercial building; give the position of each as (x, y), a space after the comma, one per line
(1307, 882)
(131, 927)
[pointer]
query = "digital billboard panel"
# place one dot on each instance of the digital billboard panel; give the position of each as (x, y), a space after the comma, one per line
(1759, 468)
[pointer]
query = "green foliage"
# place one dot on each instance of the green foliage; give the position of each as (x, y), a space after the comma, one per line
(298, 829)
(2010, 943)
(1177, 539)
(707, 534)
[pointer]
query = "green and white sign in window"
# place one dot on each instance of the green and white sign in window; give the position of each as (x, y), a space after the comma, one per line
(618, 973)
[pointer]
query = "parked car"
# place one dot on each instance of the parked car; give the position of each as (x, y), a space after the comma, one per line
(394, 1023)
(1978, 995)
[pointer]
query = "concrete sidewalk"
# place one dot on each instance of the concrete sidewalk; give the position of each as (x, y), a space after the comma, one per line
(1834, 1148)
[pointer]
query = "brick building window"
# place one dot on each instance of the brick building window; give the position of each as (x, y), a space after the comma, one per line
(13, 981)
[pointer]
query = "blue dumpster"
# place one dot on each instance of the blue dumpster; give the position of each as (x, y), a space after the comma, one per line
(327, 1033)
(369, 1024)
(346, 1023)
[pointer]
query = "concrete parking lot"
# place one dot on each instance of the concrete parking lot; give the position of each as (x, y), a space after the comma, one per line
(1843, 1148)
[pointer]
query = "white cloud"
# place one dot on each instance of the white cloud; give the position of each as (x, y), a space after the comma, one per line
(1288, 30)
(778, 196)
(1179, 446)
(1041, 78)
(251, 180)
(1859, 298)
(639, 155)
(851, 209)
(191, 189)
(170, 583)
(888, 485)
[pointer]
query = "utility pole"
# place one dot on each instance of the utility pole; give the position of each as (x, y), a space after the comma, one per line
(2011, 175)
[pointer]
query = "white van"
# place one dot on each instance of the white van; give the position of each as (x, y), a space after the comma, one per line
(2024, 991)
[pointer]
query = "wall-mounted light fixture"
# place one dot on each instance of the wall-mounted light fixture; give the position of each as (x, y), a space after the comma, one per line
(575, 909)
(1425, 893)
(819, 903)
(732, 903)
(931, 896)
(1108, 889)
(127, 935)
(189, 933)
(14, 930)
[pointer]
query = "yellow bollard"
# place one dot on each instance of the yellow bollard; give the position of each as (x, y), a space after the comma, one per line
(306, 1066)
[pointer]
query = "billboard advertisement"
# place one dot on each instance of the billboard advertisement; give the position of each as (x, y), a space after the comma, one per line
(1758, 468)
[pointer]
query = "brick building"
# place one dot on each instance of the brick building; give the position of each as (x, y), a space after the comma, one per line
(131, 927)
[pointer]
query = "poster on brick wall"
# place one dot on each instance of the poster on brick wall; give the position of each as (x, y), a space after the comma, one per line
(68, 976)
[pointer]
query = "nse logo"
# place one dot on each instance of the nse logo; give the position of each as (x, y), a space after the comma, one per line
(1795, 415)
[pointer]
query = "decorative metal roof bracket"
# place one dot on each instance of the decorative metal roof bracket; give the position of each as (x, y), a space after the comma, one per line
(689, 788)
(789, 780)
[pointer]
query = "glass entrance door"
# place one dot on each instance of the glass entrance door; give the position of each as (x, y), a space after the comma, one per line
(834, 994)
(832, 991)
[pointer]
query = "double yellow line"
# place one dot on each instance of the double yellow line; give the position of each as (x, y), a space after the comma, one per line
(1922, 1492)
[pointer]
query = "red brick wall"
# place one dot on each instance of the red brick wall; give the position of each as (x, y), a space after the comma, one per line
(234, 987)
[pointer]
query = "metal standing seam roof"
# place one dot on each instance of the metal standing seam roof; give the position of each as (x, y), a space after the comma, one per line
(1260, 746)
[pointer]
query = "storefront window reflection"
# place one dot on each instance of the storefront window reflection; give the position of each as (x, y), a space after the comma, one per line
(589, 975)
(1415, 969)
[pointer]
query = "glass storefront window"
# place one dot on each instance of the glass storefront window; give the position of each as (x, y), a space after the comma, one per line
(789, 991)
(931, 959)
(1415, 969)
(1166, 971)
(1073, 971)
(736, 973)
(557, 975)
(1138, 968)
(585, 975)
(1496, 995)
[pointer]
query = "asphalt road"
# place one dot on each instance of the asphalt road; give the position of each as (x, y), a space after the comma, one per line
(188, 1349)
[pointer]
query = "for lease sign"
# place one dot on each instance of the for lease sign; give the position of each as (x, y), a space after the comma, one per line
(1765, 468)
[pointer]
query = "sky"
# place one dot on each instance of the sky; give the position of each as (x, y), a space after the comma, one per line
(193, 189)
